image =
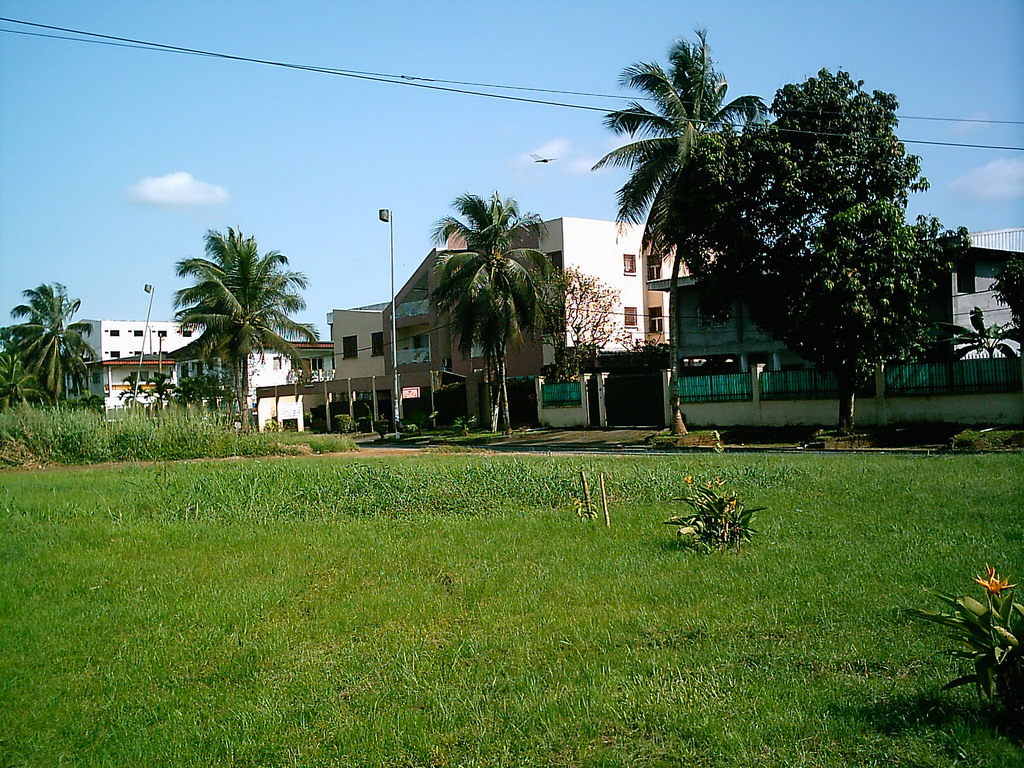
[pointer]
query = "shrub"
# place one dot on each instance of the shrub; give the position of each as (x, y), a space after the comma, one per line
(381, 427)
(991, 634)
(719, 519)
(344, 423)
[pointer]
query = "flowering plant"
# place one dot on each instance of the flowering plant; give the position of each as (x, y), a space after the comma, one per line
(990, 633)
(719, 519)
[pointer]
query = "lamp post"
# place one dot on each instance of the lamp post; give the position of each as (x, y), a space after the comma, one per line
(384, 215)
(142, 352)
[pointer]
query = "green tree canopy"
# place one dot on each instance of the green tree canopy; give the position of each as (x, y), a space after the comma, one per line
(810, 231)
(689, 102)
(17, 384)
(244, 302)
(52, 346)
(491, 287)
(1009, 287)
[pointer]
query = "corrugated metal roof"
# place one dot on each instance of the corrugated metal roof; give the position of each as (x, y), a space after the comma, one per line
(1000, 239)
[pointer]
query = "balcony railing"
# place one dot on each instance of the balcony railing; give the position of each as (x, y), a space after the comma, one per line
(413, 308)
(409, 356)
(313, 377)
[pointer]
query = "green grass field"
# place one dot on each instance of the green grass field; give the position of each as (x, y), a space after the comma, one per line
(452, 610)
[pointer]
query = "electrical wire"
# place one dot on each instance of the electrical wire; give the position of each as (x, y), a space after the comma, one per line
(433, 83)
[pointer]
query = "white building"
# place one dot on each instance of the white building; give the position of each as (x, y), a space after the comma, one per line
(114, 339)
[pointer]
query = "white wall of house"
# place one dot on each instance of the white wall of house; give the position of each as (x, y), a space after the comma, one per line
(114, 339)
(109, 379)
(610, 252)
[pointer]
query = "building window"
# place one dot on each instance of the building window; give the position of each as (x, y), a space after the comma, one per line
(162, 334)
(629, 263)
(654, 268)
(199, 369)
(114, 355)
(656, 324)
(97, 377)
(316, 364)
(137, 352)
(419, 341)
(115, 333)
(349, 347)
(630, 315)
(186, 334)
(138, 334)
(556, 260)
(966, 275)
(708, 322)
(376, 343)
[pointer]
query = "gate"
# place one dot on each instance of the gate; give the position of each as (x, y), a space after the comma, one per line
(635, 399)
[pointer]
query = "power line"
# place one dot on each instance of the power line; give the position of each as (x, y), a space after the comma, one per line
(143, 45)
(430, 83)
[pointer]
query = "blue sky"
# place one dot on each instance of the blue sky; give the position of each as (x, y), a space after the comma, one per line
(114, 162)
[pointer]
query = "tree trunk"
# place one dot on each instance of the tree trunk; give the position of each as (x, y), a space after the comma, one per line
(243, 393)
(492, 396)
(503, 396)
(847, 381)
(678, 426)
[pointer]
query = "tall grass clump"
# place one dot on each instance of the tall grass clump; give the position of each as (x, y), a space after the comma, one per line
(32, 436)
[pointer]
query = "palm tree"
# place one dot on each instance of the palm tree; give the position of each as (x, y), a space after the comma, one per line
(161, 389)
(51, 345)
(492, 286)
(17, 384)
(982, 338)
(243, 301)
(689, 102)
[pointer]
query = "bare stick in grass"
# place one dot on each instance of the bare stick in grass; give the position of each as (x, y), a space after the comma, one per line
(604, 503)
(586, 493)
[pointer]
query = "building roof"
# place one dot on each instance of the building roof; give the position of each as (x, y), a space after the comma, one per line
(1011, 239)
(164, 359)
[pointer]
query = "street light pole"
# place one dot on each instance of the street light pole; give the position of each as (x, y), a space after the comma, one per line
(142, 353)
(384, 215)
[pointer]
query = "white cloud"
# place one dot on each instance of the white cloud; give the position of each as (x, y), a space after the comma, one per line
(999, 180)
(178, 189)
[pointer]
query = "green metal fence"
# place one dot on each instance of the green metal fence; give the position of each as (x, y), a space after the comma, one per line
(807, 384)
(955, 377)
(561, 394)
(722, 388)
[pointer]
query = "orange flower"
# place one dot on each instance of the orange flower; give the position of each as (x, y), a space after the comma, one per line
(992, 584)
(689, 479)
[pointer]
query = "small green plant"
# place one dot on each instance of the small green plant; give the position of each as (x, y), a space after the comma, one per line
(463, 424)
(720, 520)
(381, 427)
(344, 423)
(990, 633)
(272, 425)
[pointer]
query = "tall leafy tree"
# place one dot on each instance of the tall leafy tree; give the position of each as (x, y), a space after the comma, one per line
(581, 317)
(688, 101)
(243, 300)
(811, 232)
(50, 342)
(491, 287)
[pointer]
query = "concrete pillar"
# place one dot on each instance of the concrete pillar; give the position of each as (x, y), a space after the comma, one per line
(776, 361)
(538, 388)
(667, 390)
(744, 363)
(755, 389)
(882, 410)
(602, 407)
